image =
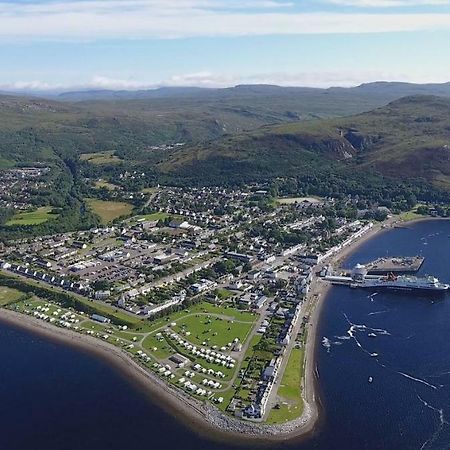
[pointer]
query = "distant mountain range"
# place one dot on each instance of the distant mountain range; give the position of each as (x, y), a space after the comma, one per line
(389, 91)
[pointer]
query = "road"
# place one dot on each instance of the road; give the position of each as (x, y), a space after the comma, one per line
(180, 275)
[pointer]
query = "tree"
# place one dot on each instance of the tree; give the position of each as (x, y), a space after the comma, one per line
(101, 285)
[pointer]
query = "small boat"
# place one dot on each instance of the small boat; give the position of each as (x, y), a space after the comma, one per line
(370, 379)
(374, 355)
(372, 335)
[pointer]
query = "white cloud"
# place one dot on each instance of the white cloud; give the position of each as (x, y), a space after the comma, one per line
(34, 85)
(388, 3)
(134, 19)
(102, 82)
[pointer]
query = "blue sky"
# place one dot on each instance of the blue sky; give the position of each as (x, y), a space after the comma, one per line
(131, 44)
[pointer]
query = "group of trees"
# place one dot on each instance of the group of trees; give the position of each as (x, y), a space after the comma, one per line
(5, 215)
(441, 211)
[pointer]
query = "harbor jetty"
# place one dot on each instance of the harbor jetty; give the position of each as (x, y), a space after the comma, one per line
(396, 264)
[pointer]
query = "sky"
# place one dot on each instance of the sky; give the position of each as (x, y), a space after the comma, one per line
(141, 44)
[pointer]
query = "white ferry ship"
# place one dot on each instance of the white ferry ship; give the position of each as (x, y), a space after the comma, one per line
(403, 283)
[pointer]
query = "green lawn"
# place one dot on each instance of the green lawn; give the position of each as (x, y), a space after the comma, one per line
(410, 215)
(34, 303)
(150, 190)
(109, 210)
(223, 294)
(212, 329)
(8, 295)
(6, 163)
(36, 217)
(101, 308)
(232, 313)
(100, 158)
(105, 184)
(195, 321)
(112, 330)
(163, 349)
(250, 351)
(290, 390)
(154, 216)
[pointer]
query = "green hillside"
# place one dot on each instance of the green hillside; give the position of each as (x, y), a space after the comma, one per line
(406, 139)
(41, 130)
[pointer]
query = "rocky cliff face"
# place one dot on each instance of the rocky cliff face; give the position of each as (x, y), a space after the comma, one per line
(359, 141)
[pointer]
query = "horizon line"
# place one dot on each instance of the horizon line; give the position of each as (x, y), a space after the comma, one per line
(59, 90)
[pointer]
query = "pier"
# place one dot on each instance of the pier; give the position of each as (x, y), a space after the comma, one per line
(383, 266)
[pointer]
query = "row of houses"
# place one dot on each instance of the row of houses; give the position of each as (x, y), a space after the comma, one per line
(149, 310)
(50, 279)
(258, 408)
(292, 317)
(316, 258)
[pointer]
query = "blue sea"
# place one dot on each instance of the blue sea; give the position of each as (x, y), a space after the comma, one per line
(54, 397)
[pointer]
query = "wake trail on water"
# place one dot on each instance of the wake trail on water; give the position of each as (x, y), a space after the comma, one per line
(326, 343)
(378, 312)
(442, 423)
(418, 380)
(440, 374)
(362, 327)
(352, 334)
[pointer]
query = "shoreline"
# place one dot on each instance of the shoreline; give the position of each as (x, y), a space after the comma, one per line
(200, 417)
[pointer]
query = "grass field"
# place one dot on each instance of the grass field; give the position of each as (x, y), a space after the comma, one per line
(108, 211)
(290, 390)
(212, 329)
(36, 217)
(163, 349)
(101, 158)
(293, 200)
(104, 184)
(150, 190)
(8, 295)
(6, 163)
(223, 294)
(101, 308)
(195, 321)
(410, 215)
(154, 216)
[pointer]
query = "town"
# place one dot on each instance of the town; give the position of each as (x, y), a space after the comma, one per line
(209, 289)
